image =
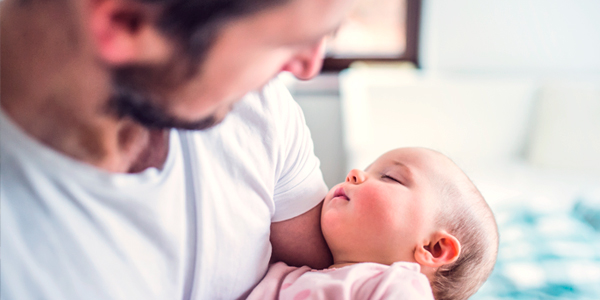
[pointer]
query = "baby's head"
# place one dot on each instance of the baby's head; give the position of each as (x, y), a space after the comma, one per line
(414, 205)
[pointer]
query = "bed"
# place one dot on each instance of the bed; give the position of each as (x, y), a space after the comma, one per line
(531, 145)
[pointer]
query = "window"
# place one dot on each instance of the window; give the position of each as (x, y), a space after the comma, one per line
(377, 30)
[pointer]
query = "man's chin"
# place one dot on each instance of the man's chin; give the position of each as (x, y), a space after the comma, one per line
(202, 124)
(154, 117)
(168, 122)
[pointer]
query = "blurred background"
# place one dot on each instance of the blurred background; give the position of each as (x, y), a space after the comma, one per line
(510, 90)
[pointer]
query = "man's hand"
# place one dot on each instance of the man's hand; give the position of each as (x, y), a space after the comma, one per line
(299, 241)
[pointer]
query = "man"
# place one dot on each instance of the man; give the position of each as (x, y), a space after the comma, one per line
(107, 195)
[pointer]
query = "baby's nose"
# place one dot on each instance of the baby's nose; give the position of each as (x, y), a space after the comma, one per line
(356, 176)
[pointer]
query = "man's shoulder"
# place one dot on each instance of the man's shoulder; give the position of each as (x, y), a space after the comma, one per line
(254, 127)
(273, 97)
(269, 110)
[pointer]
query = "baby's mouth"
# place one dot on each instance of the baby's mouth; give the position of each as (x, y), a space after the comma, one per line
(339, 192)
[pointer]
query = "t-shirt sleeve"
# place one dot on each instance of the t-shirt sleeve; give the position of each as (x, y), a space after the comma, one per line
(299, 182)
(395, 283)
(279, 277)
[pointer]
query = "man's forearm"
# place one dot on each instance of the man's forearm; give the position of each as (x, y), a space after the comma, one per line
(299, 241)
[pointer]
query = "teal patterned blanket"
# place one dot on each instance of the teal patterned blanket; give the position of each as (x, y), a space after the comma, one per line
(547, 255)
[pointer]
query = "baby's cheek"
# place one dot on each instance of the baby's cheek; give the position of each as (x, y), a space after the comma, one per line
(372, 199)
(330, 222)
(376, 206)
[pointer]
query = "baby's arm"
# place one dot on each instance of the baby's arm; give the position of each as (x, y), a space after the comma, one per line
(359, 281)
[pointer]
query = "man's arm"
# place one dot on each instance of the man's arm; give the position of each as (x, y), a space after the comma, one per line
(299, 241)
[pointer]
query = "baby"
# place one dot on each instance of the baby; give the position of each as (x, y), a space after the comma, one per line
(411, 226)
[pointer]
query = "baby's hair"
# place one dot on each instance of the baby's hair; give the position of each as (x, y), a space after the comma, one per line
(465, 214)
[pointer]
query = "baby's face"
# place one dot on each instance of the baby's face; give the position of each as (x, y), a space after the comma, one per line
(381, 214)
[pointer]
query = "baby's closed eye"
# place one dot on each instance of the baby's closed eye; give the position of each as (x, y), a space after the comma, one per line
(389, 177)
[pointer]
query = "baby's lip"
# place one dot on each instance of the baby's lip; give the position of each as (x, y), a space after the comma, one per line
(339, 192)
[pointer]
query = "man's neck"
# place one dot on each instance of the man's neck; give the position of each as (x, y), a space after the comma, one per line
(120, 146)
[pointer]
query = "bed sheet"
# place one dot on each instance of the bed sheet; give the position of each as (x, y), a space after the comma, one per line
(548, 246)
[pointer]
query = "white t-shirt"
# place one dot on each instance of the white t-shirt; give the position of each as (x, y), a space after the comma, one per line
(196, 229)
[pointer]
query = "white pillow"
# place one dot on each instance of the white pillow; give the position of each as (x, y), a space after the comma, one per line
(566, 133)
(475, 121)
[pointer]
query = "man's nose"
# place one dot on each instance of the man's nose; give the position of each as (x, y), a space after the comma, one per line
(307, 63)
(356, 176)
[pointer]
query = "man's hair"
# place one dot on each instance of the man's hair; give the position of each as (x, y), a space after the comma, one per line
(466, 215)
(195, 23)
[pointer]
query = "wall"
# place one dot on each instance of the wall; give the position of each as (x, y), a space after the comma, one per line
(528, 36)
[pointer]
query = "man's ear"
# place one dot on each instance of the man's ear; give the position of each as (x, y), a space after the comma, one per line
(442, 248)
(124, 32)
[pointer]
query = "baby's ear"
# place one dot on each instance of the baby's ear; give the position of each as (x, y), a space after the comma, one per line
(442, 248)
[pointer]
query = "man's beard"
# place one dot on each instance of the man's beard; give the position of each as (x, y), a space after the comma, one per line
(133, 104)
(132, 97)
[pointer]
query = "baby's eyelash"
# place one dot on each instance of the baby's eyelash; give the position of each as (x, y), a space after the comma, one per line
(390, 177)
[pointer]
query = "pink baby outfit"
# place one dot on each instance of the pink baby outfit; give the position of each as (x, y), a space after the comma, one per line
(401, 280)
